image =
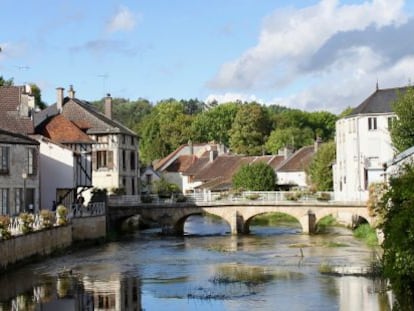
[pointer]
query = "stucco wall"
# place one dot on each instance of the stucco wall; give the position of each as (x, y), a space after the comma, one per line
(88, 228)
(36, 243)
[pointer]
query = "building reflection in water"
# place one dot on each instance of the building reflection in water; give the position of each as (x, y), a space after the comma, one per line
(78, 293)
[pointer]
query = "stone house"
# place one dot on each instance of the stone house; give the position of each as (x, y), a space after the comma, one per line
(363, 145)
(19, 173)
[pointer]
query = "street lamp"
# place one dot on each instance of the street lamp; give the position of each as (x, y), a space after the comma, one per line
(24, 176)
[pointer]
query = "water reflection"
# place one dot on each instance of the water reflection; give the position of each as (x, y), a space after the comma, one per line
(274, 268)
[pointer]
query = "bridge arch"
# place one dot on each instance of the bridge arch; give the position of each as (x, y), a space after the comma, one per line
(350, 218)
(178, 226)
(247, 222)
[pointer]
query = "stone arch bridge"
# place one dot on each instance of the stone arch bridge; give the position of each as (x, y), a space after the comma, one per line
(171, 217)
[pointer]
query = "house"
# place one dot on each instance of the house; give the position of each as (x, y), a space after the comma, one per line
(292, 171)
(148, 177)
(113, 147)
(363, 145)
(19, 173)
(173, 166)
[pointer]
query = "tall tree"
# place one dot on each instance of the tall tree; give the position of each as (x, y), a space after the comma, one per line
(255, 177)
(291, 137)
(402, 132)
(4, 82)
(320, 168)
(250, 128)
(38, 96)
(214, 124)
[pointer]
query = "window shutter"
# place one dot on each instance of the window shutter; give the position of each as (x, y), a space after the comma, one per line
(35, 160)
(110, 159)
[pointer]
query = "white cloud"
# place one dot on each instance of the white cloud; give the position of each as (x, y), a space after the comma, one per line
(293, 46)
(232, 97)
(123, 20)
(12, 49)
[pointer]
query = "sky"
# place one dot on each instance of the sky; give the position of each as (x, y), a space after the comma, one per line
(305, 54)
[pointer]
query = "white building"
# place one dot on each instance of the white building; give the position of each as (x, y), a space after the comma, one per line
(363, 145)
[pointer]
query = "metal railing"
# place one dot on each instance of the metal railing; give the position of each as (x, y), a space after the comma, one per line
(223, 197)
(91, 209)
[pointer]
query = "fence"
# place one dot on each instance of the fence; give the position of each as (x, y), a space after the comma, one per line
(92, 209)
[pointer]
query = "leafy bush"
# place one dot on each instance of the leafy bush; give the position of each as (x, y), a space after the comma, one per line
(48, 218)
(253, 197)
(26, 222)
(255, 177)
(293, 196)
(323, 196)
(4, 227)
(146, 199)
(62, 213)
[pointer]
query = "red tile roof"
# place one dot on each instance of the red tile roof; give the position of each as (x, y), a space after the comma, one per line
(61, 130)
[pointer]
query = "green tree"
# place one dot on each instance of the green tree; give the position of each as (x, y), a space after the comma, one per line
(214, 124)
(255, 177)
(322, 124)
(398, 229)
(250, 128)
(164, 130)
(320, 168)
(402, 132)
(4, 82)
(38, 96)
(292, 137)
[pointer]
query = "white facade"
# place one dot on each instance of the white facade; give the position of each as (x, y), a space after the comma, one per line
(363, 145)
(292, 178)
(57, 165)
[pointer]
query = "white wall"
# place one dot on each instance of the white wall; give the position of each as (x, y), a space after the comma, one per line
(291, 178)
(360, 152)
(57, 171)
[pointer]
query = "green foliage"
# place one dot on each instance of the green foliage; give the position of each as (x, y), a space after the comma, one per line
(402, 132)
(164, 130)
(272, 219)
(4, 227)
(250, 128)
(292, 137)
(366, 233)
(215, 124)
(62, 213)
(320, 168)
(35, 90)
(4, 82)
(255, 177)
(398, 229)
(48, 218)
(164, 188)
(26, 222)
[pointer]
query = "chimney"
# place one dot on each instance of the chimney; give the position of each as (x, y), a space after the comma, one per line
(59, 99)
(71, 92)
(108, 106)
(211, 155)
(317, 143)
(190, 145)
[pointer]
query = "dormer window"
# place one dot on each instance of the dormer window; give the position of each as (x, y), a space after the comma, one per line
(372, 124)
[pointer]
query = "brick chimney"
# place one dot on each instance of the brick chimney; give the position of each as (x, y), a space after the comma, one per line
(59, 99)
(71, 92)
(108, 106)
(317, 143)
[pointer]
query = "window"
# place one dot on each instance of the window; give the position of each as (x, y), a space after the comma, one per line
(133, 186)
(390, 121)
(102, 159)
(4, 201)
(123, 160)
(4, 160)
(372, 124)
(132, 160)
(31, 161)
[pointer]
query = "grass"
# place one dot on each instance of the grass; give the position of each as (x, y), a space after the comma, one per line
(271, 219)
(325, 222)
(325, 268)
(367, 234)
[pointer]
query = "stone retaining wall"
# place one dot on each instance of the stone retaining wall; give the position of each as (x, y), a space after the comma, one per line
(44, 242)
(88, 228)
(40, 243)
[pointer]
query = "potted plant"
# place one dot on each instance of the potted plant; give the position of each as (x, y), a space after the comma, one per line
(61, 213)
(26, 222)
(48, 218)
(4, 227)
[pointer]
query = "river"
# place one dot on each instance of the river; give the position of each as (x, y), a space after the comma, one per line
(273, 268)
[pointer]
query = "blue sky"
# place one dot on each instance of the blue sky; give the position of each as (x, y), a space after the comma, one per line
(311, 55)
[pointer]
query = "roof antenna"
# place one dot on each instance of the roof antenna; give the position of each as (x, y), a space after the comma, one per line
(377, 85)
